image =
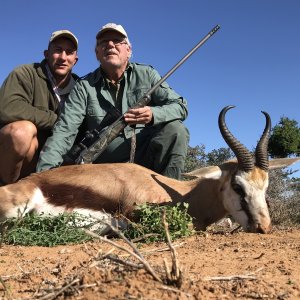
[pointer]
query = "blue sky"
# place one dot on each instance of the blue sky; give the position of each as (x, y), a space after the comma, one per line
(252, 62)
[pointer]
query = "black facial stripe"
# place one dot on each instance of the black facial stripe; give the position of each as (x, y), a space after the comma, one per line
(238, 189)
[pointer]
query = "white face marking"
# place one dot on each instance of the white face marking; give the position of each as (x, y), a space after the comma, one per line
(254, 200)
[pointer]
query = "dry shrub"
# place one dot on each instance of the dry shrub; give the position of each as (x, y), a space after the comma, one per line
(284, 198)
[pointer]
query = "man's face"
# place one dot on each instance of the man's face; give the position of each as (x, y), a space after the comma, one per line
(61, 57)
(112, 50)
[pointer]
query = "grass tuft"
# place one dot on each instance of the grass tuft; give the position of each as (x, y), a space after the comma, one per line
(49, 231)
(41, 230)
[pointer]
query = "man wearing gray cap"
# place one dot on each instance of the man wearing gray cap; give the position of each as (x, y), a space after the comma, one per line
(31, 98)
(161, 137)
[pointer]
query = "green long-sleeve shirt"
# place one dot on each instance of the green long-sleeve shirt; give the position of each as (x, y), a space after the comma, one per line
(90, 100)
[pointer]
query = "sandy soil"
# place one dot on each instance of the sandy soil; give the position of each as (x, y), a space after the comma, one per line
(215, 266)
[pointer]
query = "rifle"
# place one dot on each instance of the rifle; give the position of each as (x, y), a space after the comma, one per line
(95, 142)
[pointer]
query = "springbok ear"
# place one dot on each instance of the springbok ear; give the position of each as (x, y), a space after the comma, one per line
(205, 172)
(278, 163)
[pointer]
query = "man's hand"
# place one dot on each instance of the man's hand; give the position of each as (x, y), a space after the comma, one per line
(141, 115)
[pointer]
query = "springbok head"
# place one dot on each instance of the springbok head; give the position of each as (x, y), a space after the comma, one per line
(244, 193)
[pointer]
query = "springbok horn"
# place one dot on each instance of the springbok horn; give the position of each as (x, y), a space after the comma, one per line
(243, 155)
(261, 151)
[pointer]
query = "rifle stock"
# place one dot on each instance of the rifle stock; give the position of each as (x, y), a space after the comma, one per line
(109, 133)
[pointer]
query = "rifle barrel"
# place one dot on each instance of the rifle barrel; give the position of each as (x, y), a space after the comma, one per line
(211, 33)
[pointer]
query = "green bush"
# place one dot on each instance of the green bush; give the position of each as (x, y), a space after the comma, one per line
(149, 222)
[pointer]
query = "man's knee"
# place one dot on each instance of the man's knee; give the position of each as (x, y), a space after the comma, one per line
(177, 134)
(19, 129)
(18, 150)
(19, 136)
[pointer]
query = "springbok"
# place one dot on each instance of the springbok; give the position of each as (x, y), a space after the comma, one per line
(236, 187)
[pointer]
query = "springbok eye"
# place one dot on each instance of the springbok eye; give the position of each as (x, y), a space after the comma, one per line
(238, 189)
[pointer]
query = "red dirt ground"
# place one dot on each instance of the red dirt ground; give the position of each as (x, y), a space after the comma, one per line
(215, 266)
